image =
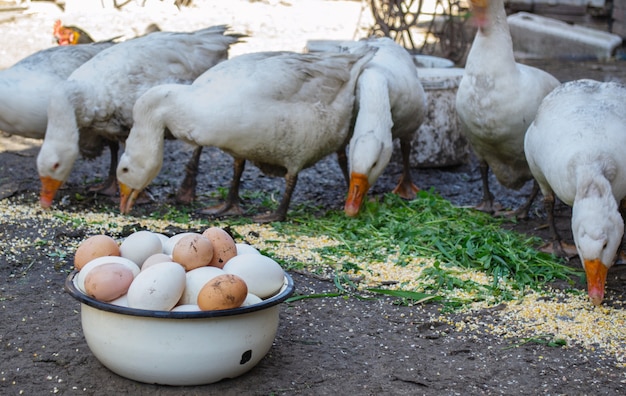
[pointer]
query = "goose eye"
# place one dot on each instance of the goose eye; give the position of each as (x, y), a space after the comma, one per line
(55, 166)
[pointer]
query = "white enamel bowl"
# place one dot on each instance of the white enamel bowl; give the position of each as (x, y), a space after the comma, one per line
(179, 348)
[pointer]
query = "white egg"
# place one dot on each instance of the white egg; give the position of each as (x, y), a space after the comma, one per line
(251, 299)
(171, 241)
(263, 275)
(158, 287)
(186, 308)
(195, 280)
(140, 245)
(120, 301)
(82, 274)
(244, 248)
(164, 238)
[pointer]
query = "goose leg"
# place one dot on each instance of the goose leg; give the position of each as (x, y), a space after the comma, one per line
(405, 188)
(187, 191)
(558, 247)
(281, 212)
(231, 205)
(486, 205)
(621, 255)
(109, 186)
(522, 211)
(342, 159)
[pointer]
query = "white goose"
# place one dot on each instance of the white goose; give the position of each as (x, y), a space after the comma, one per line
(390, 104)
(95, 103)
(497, 100)
(283, 111)
(25, 87)
(574, 149)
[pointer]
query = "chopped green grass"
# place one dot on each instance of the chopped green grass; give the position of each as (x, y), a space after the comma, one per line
(430, 226)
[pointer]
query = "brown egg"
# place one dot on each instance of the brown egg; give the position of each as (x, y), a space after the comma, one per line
(154, 259)
(224, 247)
(193, 251)
(94, 247)
(109, 281)
(222, 292)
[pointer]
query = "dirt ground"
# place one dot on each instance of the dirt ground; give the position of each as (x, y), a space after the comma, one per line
(324, 346)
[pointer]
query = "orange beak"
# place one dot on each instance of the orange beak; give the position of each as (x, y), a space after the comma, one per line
(356, 192)
(128, 196)
(479, 12)
(596, 278)
(49, 187)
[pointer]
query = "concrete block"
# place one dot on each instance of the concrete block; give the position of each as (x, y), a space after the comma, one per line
(439, 142)
(543, 37)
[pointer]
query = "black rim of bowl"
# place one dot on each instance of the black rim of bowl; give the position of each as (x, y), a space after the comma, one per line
(276, 299)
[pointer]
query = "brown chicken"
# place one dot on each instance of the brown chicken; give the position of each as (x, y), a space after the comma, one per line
(70, 35)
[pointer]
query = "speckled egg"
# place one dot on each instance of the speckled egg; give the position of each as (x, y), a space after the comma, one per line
(158, 287)
(224, 247)
(222, 292)
(193, 251)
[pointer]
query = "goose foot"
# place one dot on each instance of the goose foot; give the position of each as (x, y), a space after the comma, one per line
(269, 217)
(517, 214)
(224, 209)
(107, 188)
(521, 213)
(406, 190)
(508, 214)
(488, 206)
(560, 249)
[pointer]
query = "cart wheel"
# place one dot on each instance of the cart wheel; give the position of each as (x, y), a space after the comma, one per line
(395, 18)
(453, 41)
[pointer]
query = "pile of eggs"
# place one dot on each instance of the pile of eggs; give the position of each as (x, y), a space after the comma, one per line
(186, 272)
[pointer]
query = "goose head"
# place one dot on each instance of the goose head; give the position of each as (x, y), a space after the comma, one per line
(597, 227)
(58, 152)
(374, 152)
(143, 154)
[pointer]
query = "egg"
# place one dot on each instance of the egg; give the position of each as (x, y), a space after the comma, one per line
(244, 248)
(169, 245)
(263, 275)
(82, 274)
(155, 258)
(195, 280)
(251, 299)
(120, 301)
(186, 308)
(164, 238)
(158, 287)
(94, 247)
(224, 247)
(193, 251)
(222, 292)
(108, 281)
(140, 245)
